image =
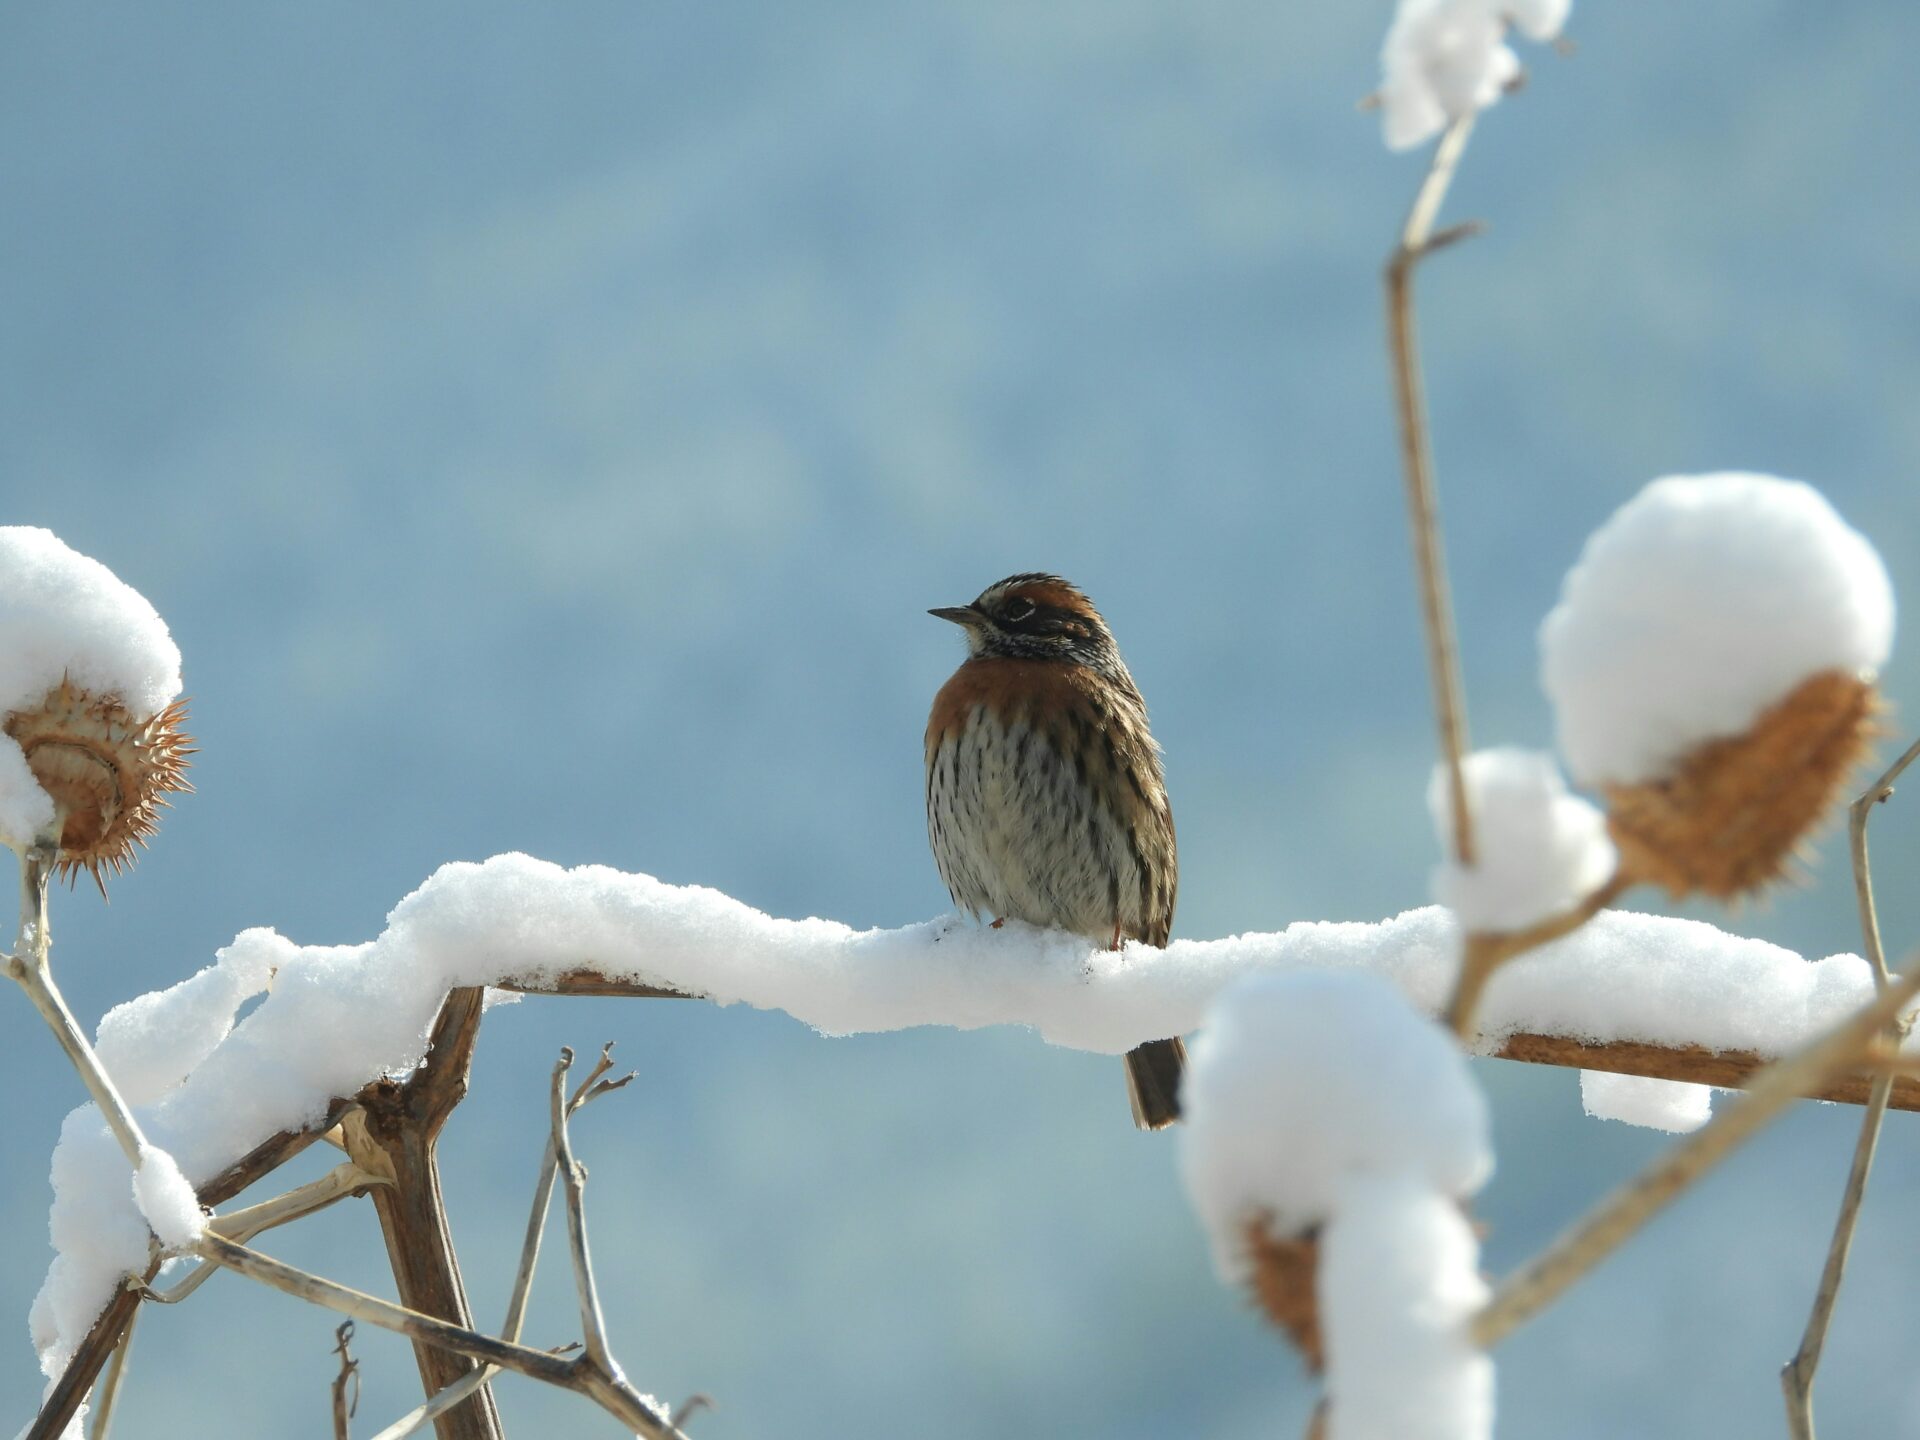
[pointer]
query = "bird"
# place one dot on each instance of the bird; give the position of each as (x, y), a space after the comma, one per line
(1046, 801)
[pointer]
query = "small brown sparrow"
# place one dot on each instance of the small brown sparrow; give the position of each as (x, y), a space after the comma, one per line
(1045, 801)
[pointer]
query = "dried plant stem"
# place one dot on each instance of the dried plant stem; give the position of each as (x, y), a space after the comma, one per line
(1540, 1282)
(395, 1133)
(1796, 1376)
(94, 1351)
(576, 1375)
(1695, 1065)
(590, 1089)
(1485, 951)
(30, 966)
(347, 1379)
(339, 1183)
(1418, 240)
(107, 1397)
(598, 1362)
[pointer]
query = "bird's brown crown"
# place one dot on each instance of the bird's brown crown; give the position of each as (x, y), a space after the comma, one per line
(1035, 616)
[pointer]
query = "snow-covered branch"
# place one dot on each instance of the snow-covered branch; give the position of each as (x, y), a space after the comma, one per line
(338, 1016)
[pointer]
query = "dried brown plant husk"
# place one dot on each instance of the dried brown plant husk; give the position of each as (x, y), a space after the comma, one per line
(1731, 817)
(108, 772)
(1285, 1286)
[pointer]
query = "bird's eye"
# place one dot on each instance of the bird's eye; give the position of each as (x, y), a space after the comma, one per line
(1016, 610)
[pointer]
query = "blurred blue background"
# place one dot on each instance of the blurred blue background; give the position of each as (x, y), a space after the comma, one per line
(544, 428)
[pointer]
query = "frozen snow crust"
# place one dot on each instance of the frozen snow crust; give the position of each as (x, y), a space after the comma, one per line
(338, 1016)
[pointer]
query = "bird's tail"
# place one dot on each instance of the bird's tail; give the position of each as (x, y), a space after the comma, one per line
(1153, 1082)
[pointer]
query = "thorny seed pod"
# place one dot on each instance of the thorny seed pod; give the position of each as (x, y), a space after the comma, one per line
(1285, 1276)
(107, 771)
(1729, 818)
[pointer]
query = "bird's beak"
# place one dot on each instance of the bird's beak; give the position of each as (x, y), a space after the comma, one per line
(961, 615)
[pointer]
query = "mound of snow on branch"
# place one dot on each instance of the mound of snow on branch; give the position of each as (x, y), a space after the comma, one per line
(1538, 851)
(1701, 603)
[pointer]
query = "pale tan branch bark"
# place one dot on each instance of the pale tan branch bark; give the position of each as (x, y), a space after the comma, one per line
(64, 1400)
(30, 966)
(590, 1089)
(1797, 1375)
(1540, 1282)
(339, 1183)
(395, 1132)
(1417, 240)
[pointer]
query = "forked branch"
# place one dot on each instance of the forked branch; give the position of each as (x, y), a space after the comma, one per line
(1417, 241)
(1796, 1376)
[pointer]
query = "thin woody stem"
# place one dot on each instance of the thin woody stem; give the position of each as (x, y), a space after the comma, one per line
(30, 966)
(107, 1397)
(580, 1375)
(589, 1089)
(1537, 1284)
(337, 1184)
(1483, 952)
(1797, 1375)
(1417, 239)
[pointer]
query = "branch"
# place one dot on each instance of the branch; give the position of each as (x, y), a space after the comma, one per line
(1485, 951)
(30, 965)
(339, 1183)
(1692, 1064)
(1539, 1283)
(1796, 1376)
(1417, 240)
(598, 1363)
(589, 1090)
(109, 1395)
(103, 1339)
(343, 1408)
(395, 1133)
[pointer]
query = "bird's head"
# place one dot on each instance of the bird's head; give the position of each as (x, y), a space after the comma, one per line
(1035, 617)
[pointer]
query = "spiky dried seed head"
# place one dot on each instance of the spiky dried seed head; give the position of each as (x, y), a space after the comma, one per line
(1286, 1286)
(1729, 820)
(109, 772)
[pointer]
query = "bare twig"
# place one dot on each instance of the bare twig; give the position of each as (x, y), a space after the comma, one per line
(690, 1407)
(349, 1377)
(30, 966)
(574, 1375)
(1485, 951)
(589, 1090)
(1796, 1376)
(64, 1400)
(107, 1397)
(1540, 1282)
(1417, 240)
(336, 1185)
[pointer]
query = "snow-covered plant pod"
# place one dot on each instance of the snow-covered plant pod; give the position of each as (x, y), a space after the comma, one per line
(1447, 59)
(1712, 664)
(91, 741)
(1332, 1135)
(1539, 851)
